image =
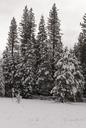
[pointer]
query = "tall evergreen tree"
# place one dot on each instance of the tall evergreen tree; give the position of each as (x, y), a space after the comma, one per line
(54, 37)
(27, 38)
(69, 81)
(44, 75)
(10, 59)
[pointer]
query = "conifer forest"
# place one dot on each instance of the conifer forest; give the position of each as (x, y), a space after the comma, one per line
(35, 63)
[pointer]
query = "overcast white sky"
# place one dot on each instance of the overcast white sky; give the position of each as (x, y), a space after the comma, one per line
(70, 14)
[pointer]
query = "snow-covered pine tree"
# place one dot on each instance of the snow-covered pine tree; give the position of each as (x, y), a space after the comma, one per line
(54, 35)
(69, 81)
(80, 49)
(43, 75)
(27, 38)
(24, 37)
(10, 61)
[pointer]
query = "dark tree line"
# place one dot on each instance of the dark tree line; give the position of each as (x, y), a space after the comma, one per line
(80, 49)
(38, 64)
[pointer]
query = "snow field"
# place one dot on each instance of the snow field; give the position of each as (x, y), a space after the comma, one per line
(41, 114)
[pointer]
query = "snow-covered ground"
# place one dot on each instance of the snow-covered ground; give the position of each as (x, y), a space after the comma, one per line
(41, 114)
